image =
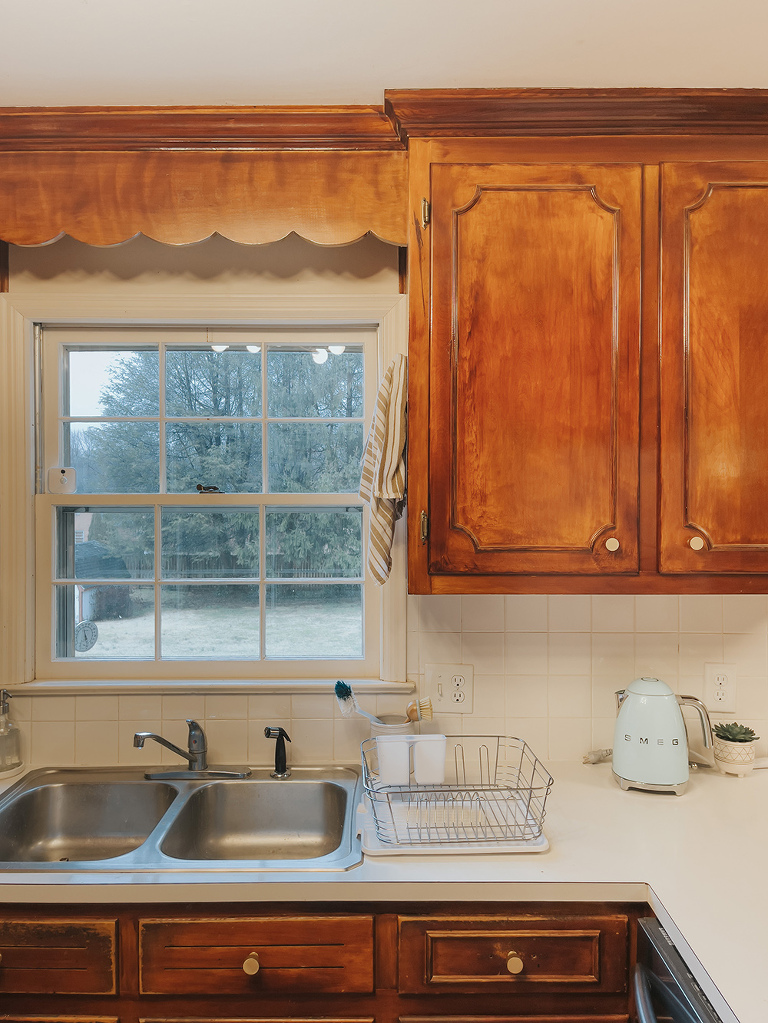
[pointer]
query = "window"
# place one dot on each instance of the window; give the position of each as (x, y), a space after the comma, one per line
(215, 529)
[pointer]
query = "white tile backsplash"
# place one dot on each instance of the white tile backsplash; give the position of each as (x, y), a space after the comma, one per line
(546, 669)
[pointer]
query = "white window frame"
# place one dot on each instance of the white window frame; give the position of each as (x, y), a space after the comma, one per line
(19, 379)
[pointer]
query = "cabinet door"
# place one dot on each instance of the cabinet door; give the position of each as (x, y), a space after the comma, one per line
(714, 368)
(534, 389)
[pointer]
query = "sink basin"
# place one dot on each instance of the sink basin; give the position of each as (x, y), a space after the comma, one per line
(117, 820)
(81, 820)
(259, 820)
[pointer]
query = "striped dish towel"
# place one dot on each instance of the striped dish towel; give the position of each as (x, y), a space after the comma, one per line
(382, 482)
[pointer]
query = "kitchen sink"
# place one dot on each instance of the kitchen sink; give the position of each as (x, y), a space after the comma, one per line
(259, 820)
(63, 821)
(117, 820)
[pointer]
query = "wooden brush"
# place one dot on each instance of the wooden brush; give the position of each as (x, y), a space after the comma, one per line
(419, 710)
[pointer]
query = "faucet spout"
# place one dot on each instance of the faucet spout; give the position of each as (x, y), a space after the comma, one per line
(197, 754)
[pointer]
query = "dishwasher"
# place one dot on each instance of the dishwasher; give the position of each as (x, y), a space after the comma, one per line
(665, 990)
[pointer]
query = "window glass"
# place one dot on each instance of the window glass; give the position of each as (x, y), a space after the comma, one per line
(216, 516)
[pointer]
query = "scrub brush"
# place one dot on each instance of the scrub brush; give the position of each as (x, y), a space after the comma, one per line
(419, 710)
(348, 703)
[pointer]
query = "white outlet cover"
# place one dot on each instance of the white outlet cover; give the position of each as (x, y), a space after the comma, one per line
(451, 687)
(719, 697)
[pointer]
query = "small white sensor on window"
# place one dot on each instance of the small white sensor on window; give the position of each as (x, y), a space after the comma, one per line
(62, 480)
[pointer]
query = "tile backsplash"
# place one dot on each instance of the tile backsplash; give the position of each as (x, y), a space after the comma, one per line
(546, 669)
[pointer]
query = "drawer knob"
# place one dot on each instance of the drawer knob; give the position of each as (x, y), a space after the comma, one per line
(251, 966)
(612, 544)
(696, 543)
(514, 963)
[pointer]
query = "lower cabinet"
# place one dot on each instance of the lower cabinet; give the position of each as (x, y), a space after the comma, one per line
(350, 963)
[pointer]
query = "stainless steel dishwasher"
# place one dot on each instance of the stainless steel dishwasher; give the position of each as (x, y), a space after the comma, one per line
(665, 990)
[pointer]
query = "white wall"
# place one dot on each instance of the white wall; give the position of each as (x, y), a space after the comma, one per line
(344, 51)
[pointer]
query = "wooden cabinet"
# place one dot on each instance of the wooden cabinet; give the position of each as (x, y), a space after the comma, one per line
(588, 369)
(714, 368)
(534, 380)
(345, 964)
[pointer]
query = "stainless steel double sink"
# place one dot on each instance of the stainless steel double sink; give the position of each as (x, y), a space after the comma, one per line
(118, 820)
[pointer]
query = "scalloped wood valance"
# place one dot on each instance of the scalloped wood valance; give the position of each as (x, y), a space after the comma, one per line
(253, 175)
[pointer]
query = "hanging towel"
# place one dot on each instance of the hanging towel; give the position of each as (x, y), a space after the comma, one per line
(382, 483)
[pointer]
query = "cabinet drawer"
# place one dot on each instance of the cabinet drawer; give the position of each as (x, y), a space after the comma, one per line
(290, 954)
(444, 954)
(58, 957)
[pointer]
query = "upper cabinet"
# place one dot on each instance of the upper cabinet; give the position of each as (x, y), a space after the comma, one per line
(588, 393)
(588, 279)
(534, 375)
(714, 368)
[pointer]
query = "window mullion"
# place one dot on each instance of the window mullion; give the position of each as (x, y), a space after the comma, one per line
(157, 577)
(162, 421)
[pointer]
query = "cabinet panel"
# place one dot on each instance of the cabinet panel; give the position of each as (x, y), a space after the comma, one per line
(291, 954)
(475, 956)
(534, 392)
(714, 368)
(58, 956)
(16, 1017)
(592, 1018)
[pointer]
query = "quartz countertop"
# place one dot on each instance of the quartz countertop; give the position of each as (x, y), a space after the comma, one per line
(683, 855)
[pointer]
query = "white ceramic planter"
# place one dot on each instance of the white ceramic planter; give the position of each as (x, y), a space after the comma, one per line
(734, 757)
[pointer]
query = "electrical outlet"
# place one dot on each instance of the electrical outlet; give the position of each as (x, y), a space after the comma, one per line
(451, 687)
(720, 688)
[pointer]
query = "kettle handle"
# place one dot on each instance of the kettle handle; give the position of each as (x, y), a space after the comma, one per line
(706, 724)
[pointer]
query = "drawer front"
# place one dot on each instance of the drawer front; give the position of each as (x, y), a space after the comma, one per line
(623, 1018)
(58, 957)
(289, 954)
(477, 956)
(58, 1018)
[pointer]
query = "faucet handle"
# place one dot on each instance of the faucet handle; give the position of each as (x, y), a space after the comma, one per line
(197, 743)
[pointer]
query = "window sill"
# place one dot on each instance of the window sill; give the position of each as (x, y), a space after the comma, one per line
(107, 687)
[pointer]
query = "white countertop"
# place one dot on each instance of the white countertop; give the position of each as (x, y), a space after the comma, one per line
(684, 855)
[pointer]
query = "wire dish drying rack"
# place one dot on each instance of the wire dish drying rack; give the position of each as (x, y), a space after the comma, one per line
(495, 792)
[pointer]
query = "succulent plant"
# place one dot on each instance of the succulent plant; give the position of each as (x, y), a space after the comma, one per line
(734, 732)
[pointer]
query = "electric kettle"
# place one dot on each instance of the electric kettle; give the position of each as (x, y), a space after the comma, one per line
(650, 746)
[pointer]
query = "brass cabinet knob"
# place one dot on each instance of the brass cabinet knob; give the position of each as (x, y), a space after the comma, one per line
(612, 544)
(696, 543)
(251, 966)
(514, 963)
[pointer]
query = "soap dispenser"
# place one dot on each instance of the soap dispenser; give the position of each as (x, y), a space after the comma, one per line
(10, 745)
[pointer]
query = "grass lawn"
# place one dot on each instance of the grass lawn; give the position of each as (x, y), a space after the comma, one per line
(312, 630)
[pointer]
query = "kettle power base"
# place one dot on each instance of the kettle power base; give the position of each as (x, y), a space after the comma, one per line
(647, 786)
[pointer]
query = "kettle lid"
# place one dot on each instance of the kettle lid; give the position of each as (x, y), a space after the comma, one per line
(649, 687)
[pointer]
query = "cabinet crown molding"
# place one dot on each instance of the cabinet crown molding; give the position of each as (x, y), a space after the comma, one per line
(430, 113)
(132, 128)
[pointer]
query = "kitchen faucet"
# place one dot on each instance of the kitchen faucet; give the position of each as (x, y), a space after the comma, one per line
(196, 756)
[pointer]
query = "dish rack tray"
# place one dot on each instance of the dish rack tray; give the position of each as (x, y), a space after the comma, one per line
(495, 791)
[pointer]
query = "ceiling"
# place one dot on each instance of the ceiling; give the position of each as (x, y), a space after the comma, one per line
(164, 52)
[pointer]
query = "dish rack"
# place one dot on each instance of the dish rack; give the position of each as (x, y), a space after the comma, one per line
(495, 791)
